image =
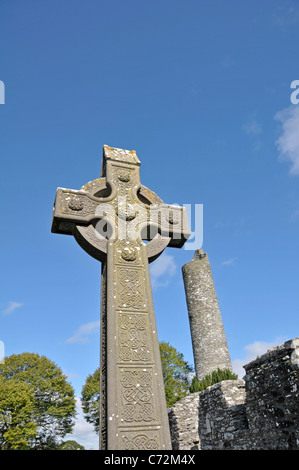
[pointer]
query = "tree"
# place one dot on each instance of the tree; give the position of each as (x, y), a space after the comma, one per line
(90, 399)
(210, 379)
(17, 428)
(70, 445)
(50, 400)
(175, 373)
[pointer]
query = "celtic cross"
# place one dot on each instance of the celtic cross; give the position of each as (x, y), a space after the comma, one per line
(112, 218)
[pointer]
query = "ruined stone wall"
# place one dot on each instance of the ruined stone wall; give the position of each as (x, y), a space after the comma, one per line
(260, 412)
(222, 416)
(183, 421)
(272, 398)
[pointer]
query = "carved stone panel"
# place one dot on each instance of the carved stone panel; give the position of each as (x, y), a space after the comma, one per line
(137, 405)
(140, 440)
(131, 289)
(133, 338)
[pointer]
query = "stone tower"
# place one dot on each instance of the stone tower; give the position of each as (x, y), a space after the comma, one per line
(207, 332)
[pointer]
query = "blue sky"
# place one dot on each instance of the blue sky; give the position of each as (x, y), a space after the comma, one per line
(201, 90)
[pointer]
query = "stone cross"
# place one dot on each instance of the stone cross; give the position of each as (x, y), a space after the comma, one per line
(111, 218)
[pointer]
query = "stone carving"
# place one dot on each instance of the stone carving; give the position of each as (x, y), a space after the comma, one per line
(126, 211)
(109, 217)
(76, 204)
(140, 442)
(128, 252)
(137, 396)
(124, 176)
(133, 337)
(131, 289)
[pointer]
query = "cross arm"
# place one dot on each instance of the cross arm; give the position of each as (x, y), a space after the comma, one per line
(174, 224)
(170, 221)
(72, 207)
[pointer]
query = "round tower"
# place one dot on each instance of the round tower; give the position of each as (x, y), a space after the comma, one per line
(209, 343)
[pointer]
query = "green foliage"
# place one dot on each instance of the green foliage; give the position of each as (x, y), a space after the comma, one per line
(45, 403)
(211, 379)
(17, 427)
(175, 373)
(90, 399)
(70, 445)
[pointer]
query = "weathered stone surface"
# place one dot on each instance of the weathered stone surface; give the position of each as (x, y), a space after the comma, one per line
(109, 218)
(222, 415)
(272, 397)
(183, 419)
(207, 332)
(258, 413)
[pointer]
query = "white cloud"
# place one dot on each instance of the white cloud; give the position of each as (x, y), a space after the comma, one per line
(83, 432)
(162, 269)
(83, 332)
(288, 142)
(252, 351)
(228, 262)
(70, 375)
(11, 307)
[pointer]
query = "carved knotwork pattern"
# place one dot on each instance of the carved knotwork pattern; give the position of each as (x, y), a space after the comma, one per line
(133, 338)
(140, 442)
(76, 204)
(131, 289)
(137, 396)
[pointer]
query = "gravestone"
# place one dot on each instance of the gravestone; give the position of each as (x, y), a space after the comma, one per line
(112, 218)
(209, 343)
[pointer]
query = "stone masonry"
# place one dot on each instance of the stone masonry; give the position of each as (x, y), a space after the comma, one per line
(272, 398)
(207, 331)
(260, 412)
(183, 422)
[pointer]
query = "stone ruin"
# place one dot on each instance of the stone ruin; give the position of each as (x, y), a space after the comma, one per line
(258, 412)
